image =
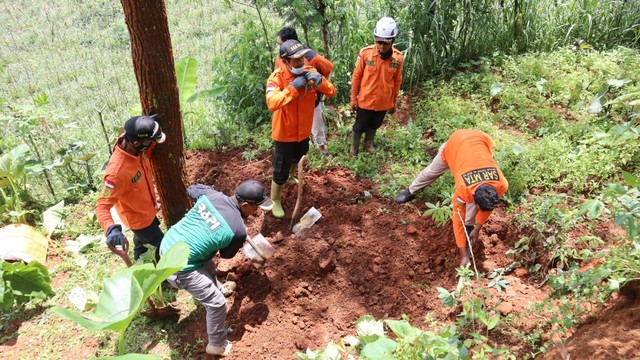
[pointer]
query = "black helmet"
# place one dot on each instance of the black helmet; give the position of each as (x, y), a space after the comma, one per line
(140, 128)
(486, 197)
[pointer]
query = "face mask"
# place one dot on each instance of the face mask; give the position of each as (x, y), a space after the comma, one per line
(141, 148)
(297, 71)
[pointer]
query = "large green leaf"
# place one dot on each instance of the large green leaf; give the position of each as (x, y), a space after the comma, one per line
(380, 349)
(209, 93)
(52, 217)
(124, 293)
(187, 78)
(10, 162)
(402, 329)
(28, 281)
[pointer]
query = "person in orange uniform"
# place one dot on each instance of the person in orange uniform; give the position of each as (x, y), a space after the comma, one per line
(324, 67)
(128, 185)
(479, 183)
(375, 84)
(291, 95)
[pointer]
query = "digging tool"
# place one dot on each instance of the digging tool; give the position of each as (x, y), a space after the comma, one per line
(296, 210)
(155, 312)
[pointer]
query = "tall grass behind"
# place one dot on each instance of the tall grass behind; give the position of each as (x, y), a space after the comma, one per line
(439, 35)
(63, 62)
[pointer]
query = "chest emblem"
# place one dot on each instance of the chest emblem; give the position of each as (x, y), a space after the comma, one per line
(137, 177)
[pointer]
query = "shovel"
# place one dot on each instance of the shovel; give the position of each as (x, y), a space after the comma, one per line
(155, 312)
(296, 209)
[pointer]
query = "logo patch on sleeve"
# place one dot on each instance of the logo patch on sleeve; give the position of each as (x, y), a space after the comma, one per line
(480, 175)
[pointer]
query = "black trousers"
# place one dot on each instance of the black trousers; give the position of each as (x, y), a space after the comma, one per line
(368, 120)
(150, 235)
(284, 155)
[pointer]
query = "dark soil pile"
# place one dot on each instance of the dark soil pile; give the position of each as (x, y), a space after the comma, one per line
(366, 255)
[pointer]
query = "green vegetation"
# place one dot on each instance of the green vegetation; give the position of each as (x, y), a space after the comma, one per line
(125, 293)
(556, 84)
(21, 283)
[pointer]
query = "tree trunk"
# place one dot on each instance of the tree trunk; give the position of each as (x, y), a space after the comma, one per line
(153, 64)
(324, 28)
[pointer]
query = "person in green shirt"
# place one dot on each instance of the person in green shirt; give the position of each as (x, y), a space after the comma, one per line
(214, 224)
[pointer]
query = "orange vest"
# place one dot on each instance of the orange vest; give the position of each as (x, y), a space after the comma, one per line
(292, 110)
(469, 155)
(128, 184)
(375, 83)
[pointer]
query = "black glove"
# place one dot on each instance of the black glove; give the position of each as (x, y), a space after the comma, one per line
(115, 236)
(299, 82)
(314, 77)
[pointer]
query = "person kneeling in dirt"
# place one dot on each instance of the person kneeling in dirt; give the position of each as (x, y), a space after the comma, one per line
(215, 223)
(291, 95)
(479, 183)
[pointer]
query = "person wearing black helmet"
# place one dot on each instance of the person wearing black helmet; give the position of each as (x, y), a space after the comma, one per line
(214, 224)
(478, 186)
(291, 95)
(128, 186)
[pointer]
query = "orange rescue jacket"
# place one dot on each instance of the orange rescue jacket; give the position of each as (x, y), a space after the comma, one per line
(469, 155)
(292, 110)
(128, 184)
(375, 83)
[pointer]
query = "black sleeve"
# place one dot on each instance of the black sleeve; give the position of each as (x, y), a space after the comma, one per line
(197, 190)
(235, 245)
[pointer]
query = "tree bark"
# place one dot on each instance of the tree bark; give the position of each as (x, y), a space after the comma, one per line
(152, 56)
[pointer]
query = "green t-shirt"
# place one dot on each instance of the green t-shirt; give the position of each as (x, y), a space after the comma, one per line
(212, 224)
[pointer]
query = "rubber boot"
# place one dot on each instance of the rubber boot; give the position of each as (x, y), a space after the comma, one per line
(368, 141)
(276, 196)
(355, 143)
(292, 174)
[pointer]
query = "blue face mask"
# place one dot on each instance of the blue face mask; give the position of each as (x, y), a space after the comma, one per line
(297, 71)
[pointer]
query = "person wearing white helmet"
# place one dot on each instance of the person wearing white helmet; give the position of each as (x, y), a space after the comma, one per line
(375, 84)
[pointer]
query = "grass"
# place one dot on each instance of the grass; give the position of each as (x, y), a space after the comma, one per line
(78, 55)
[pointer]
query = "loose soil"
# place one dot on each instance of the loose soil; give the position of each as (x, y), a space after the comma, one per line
(366, 255)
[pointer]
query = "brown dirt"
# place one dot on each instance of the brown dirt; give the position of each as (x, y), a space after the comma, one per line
(612, 334)
(343, 267)
(366, 255)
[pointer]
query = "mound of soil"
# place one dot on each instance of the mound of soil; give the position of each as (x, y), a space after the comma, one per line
(612, 334)
(366, 255)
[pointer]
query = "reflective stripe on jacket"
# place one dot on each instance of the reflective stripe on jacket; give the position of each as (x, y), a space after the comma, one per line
(375, 82)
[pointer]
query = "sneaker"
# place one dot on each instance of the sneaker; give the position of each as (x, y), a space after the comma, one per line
(404, 197)
(219, 350)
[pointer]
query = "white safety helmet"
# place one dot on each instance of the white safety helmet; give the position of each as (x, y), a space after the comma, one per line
(386, 29)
